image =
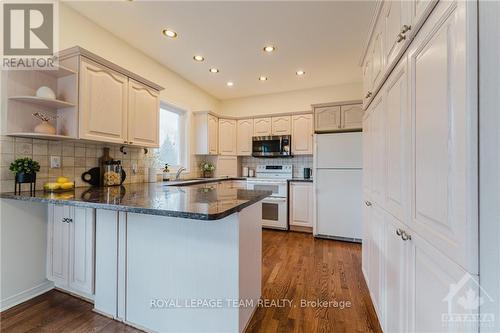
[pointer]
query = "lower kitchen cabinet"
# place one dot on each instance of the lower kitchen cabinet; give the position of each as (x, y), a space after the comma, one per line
(70, 249)
(301, 204)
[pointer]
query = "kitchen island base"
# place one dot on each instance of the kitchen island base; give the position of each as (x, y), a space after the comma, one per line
(170, 274)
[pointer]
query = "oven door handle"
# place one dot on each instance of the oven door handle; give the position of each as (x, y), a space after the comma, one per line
(274, 199)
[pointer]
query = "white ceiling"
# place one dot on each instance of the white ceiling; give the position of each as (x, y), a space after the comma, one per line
(323, 38)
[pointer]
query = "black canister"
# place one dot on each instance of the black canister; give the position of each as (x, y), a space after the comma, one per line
(307, 173)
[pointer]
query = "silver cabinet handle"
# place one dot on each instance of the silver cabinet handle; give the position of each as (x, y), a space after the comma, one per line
(405, 28)
(67, 220)
(401, 37)
(405, 236)
(398, 232)
(368, 203)
(368, 94)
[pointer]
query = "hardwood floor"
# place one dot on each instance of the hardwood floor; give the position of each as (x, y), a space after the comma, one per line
(295, 267)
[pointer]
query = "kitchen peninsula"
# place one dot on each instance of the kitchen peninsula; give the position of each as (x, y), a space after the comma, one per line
(167, 258)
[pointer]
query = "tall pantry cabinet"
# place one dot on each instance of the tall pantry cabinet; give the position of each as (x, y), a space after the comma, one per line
(420, 248)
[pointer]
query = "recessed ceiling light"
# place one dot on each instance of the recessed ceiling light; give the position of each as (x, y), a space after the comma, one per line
(269, 48)
(169, 33)
(214, 70)
(229, 83)
(263, 78)
(300, 73)
(198, 58)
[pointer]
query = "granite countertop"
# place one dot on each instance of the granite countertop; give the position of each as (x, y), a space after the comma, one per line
(207, 201)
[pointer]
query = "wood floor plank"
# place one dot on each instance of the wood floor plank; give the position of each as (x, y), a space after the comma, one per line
(295, 267)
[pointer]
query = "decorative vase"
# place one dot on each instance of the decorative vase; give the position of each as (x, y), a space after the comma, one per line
(208, 174)
(45, 92)
(45, 128)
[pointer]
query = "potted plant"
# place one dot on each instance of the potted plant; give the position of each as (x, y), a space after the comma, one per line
(25, 170)
(207, 169)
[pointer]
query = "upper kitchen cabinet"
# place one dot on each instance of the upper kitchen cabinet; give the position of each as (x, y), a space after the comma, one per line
(377, 56)
(262, 126)
(351, 116)
(302, 134)
(396, 22)
(244, 133)
(227, 137)
(420, 9)
(143, 115)
(327, 118)
(281, 125)
(103, 103)
(207, 133)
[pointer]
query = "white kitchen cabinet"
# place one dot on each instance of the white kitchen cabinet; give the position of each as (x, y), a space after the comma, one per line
(143, 115)
(420, 9)
(206, 133)
(376, 246)
(281, 125)
(302, 134)
(367, 152)
(351, 116)
(70, 248)
(377, 146)
(396, 24)
(327, 118)
(444, 134)
(226, 166)
(262, 126)
(397, 150)
(227, 137)
(103, 103)
(378, 62)
(301, 204)
(244, 130)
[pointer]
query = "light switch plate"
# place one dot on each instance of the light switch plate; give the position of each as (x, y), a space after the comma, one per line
(55, 162)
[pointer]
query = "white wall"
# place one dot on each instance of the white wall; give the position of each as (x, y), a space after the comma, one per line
(291, 101)
(23, 232)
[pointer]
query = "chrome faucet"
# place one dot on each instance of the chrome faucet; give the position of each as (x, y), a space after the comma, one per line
(178, 174)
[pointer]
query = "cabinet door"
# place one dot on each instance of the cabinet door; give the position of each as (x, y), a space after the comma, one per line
(367, 151)
(327, 118)
(244, 132)
(367, 78)
(378, 150)
(262, 127)
(103, 103)
(378, 55)
(420, 9)
(58, 244)
(302, 134)
(351, 116)
(444, 137)
(227, 137)
(227, 166)
(366, 241)
(213, 134)
(376, 272)
(281, 125)
(301, 204)
(81, 272)
(397, 129)
(143, 115)
(396, 24)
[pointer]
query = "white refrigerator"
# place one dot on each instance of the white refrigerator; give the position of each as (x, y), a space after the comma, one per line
(338, 186)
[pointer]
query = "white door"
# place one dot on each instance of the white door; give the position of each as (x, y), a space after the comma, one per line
(262, 127)
(281, 125)
(143, 115)
(327, 118)
(227, 137)
(351, 116)
(397, 129)
(81, 277)
(338, 203)
(301, 204)
(58, 244)
(339, 150)
(102, 103)
(244, 137)
(213, 134)
(302, 134)
(444, 135)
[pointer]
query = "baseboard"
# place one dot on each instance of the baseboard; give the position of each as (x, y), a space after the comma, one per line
(298, 228)
(25, 295)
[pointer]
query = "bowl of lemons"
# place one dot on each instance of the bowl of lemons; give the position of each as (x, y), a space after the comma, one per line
(62, 184)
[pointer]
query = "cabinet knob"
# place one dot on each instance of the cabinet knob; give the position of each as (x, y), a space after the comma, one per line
(368, 94)
(398, 232)
(67, 220)
(405, 28)
(405, 236)
(368, 203)
(401, 37)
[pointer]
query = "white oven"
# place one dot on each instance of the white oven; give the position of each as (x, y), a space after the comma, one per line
(274, 213)
(278, 187)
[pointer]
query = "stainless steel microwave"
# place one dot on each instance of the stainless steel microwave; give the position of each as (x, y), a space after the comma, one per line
(272, 146)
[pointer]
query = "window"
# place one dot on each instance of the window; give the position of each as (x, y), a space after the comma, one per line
(172, 136)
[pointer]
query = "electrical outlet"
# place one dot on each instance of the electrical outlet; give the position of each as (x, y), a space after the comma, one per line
(55, 162)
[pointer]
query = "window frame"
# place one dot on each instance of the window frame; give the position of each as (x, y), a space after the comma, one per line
(183, 136)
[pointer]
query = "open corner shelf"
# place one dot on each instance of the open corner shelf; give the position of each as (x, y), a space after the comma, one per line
(61, 71)
(32, 135)
(46, 102)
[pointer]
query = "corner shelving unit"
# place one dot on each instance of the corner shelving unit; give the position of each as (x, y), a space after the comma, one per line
(21, 102)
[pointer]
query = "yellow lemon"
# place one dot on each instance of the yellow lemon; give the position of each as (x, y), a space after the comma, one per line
(67, 185)
(61, 180)
(52, 186)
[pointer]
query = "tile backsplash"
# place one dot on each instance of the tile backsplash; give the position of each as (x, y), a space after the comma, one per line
(298, 162)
